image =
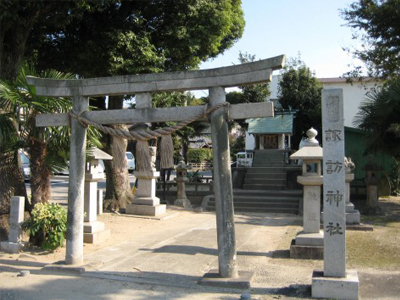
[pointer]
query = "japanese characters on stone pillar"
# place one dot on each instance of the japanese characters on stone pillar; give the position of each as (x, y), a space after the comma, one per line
(334, 184)
(335, 281)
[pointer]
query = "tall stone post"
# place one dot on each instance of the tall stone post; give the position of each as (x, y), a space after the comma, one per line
(335, 281)
(223, 187)
(74, 249)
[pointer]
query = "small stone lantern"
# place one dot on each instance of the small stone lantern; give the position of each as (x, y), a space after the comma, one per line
(94, 231)
(372, 171)
(181, 179)
(309, 242)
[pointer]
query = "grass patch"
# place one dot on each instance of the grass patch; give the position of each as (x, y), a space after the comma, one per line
(375, 249)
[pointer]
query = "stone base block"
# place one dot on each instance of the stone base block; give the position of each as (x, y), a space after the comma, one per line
(92, 227)
(96, 237)
(349, 207)
(182, 203)
(310, 239)
(150, 201)
(335, 288)
(306, 252)
(11, 247)
(212, 278)
(353, 217)
(146, 210)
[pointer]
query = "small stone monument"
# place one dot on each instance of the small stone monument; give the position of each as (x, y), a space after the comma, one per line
(181, 179)
(145, 201)
(352, 215)
(335, 281)
(372, 171)
(94, 231)
(14, 243)
(309, 243)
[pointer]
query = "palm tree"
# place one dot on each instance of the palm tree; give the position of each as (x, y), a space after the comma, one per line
(379, 116)
(47, 147)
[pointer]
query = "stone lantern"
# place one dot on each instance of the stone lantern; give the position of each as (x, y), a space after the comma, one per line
(181, 179)
(94, 231)
(309, 242)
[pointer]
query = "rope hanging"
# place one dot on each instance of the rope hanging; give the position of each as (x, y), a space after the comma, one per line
(142, 148)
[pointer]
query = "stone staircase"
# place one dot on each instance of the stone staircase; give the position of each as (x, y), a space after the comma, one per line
(264, 187)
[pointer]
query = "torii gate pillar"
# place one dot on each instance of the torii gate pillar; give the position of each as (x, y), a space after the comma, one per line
(223, 194)
(74, 249)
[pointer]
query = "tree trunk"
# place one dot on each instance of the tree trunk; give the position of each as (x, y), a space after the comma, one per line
(118, 190)
(40, 173)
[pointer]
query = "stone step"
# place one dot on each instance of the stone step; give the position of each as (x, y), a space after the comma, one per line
(267, 175)
(264, 209)
(266, 181)
(268, 163)
(248, 186)
(263, 201)
(268, 193)
(269, 170)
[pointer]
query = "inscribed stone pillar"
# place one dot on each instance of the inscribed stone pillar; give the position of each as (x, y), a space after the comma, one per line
(74, 248)
(223, 187)
(335, 281)
(334, 184)
(14, 243)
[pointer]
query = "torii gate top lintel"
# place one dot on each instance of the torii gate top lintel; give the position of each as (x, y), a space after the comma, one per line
(248, 73)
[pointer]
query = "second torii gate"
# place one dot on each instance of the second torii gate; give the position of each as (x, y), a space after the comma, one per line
(215, 80)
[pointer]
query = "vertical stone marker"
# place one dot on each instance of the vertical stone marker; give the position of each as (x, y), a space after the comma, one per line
(335, 281)
(14, 243)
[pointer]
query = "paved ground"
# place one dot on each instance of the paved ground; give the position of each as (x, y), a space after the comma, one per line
(165, 258)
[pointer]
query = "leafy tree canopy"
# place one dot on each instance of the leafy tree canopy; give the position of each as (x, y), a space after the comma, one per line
(379, 115)
(128, 37)
(378, 21)
(299, 89)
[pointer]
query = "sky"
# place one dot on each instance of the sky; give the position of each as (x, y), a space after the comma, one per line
(313, 28)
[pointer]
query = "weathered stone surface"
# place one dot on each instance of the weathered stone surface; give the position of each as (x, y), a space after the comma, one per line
(345, 287)
(74, 248)
(306, 252)
(213, 278)
(16, 219)
(224, 192)
(96, 237)
(146, 210)
(311, 239)
(144, 115)
(334, 184)
(253, 72)
(90, 201)
(312, 209)
(11, 247)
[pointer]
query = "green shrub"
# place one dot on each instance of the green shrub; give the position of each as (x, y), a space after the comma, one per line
(199, 155)
(49, 222)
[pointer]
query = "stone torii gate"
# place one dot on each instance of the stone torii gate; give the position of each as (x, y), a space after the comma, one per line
(215, 80)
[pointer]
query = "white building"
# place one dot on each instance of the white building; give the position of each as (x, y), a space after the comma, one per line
(353, 93)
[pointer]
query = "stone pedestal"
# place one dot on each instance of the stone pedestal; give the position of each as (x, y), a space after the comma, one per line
(335, 287)
(309, 243)
(14, 243)
(145, 202)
